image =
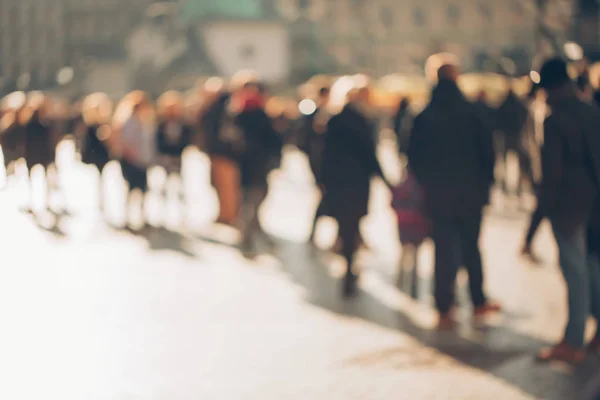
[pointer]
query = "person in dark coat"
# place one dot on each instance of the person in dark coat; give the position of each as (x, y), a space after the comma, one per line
(568, 192)
(95, 132)
(224, 144)
(452, 156)
(39, 139)
(11, 132)
(401, 124)
(537, 217)
(11, 135)
(511, 120)
(349, 163)
(138, 145)
(173, 134)
(262, 144)
(311, 141)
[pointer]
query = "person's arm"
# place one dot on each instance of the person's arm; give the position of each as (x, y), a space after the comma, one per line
(552, 168)
(366, 140)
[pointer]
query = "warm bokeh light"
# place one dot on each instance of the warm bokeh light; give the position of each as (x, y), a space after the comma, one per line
(535, 77)
(573, 51)
(307, 107)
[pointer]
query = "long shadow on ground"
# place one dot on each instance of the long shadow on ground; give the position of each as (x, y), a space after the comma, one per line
(501, 352)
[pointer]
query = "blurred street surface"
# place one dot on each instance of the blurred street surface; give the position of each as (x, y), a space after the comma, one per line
(90, 311)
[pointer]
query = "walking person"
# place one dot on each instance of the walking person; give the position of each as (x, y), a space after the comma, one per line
(95, 133)
(402, 124)
(512, 117)
(138, 146)
(527, 250)
(349, 163)
(39, 142)
(408, 202)
(173, 135)
(452, 156)
(568, 191)
(311, 141)
(11, 132)
(225, 144)
(262, 145)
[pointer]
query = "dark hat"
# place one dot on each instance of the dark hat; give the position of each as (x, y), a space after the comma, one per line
(554, 73)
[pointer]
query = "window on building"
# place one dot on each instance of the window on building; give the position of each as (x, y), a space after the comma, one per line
(386, 16)
(453, 13)
(420, 16)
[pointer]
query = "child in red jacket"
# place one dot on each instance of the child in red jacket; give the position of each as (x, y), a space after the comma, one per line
(413, 226)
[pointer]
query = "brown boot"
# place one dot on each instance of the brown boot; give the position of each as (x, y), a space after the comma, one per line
(486, 309)
(561, 352)
(446, 322)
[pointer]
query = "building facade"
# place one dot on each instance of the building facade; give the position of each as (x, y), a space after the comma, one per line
(385, 36)
(31, 43)
(285, 39)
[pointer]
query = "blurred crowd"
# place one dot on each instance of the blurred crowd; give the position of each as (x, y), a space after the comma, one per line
(455, 150)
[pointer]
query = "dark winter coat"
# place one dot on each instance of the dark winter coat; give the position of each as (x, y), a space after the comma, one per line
(451, 154)
(570, 160)
(262, 145)
(511, 119)
(176, 145)
(349, 163)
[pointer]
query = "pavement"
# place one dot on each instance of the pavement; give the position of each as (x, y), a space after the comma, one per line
(91, 311)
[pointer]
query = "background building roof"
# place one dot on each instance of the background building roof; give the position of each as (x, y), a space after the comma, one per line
(222, 9)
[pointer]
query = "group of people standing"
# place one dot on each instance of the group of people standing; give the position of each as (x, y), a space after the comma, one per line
(451, 154)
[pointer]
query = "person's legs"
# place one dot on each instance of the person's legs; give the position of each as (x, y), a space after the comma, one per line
(470, 229)
(414, 284)
(536, 219)
(29, 205)
(51, 183)
(318, 215)
(525, 169)
(573, 263)
(253, 198)
(226, 180)
(505, 152)
(100, 189)
(349, 232)
(145, 189)
(444, 236)
(574, 266)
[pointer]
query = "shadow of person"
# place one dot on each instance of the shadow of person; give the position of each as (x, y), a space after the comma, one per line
(504, 353)
(161, 239)
(259, 244)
